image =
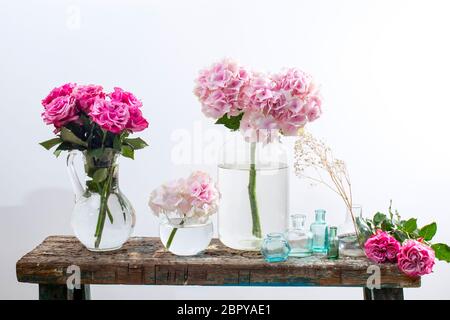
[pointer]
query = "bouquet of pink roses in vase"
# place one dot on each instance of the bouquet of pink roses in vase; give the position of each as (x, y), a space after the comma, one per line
(395, 240)
(97, 124)
(253, 176)
(184, 207)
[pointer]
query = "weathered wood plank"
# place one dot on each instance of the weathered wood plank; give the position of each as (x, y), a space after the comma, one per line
(144, 261)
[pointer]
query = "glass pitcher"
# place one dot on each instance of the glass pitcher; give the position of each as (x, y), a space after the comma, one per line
(103, 218)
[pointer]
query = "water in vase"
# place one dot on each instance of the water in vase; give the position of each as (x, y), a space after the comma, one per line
(235, 216)
(188, 240)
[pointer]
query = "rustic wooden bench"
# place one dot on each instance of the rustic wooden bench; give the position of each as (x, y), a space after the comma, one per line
(143, 261)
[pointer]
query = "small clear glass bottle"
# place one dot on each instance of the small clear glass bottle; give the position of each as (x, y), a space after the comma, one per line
(275, 248)
(350, 241)
(298, 237)
(333, 244)
(319, 229)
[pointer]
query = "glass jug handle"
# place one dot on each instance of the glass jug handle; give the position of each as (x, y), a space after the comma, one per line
(73, 175)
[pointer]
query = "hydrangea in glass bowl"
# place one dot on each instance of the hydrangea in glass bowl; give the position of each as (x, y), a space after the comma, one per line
(184, 207)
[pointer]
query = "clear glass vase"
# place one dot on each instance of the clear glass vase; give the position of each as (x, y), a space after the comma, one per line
(353, 234)
(185, 236)
(253, 181)
(103, 218)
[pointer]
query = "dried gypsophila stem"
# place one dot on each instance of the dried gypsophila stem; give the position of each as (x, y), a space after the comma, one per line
(312, 153)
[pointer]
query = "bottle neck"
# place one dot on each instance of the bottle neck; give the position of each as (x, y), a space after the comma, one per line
(298, 221)
(333, 232)
(357, 213)
(320, 216)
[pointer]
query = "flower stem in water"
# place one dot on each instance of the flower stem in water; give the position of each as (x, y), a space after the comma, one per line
(256, 228)
(172, 235)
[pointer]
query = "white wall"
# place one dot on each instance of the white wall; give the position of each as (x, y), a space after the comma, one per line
(383, 66)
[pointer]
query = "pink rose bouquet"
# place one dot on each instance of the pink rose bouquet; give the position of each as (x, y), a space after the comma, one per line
(87, 119)
(401, 241)
(192, 199)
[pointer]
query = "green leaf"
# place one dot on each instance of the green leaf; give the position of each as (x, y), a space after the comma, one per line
(428, 231)
(442, 251)
(100, 175)
(378, 218)
(232, 122)
(117, 145)
(410, 225)
(127, 151)
(50, 143)
(136, 143)
(69, 136)
(92, 186)
(96, 153)
(386, 225)
(57, 152)
(400, 236)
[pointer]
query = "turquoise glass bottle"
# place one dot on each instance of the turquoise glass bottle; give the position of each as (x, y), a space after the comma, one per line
(319, 229)
(275, 248)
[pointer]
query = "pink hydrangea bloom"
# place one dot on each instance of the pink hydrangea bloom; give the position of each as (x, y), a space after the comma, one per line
(86, 96)
(297, 82)
(64, 90)
(60, 111)
(196, 196)
(289, 100)
(415, 258)
(126, 97)
(112, 116)
(201, 192)
(382, 247)
(167, 197)
(219, 87)
(302, 100)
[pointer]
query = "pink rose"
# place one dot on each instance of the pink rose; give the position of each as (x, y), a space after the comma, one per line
(126, 97)
(382, 247)
(415, 258)
(136, 121)
(64, 90)
(112, 116)
(59, 111)
(86, 96)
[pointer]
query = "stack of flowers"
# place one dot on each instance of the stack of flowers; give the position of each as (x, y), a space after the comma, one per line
(87, 118)
(258, 103)
(402, 242)
(183, 201)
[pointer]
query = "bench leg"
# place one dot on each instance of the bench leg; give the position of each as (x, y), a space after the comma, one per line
(383, 294)
(60, 292)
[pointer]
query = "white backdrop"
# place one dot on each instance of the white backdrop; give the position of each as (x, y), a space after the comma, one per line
(383, 66)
